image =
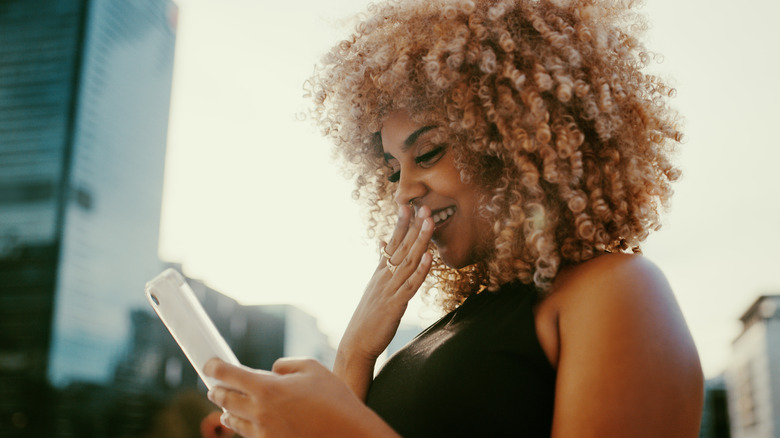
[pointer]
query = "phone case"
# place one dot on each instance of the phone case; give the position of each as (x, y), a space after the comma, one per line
(175, 303)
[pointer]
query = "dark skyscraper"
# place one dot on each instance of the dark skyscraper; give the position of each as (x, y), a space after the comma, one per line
(85, 90)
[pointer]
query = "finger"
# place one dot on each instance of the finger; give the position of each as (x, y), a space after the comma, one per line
(411, 235)
(412, 284)
(416, 236)
(401, 228)
(422, 242)
(236, 377)
(384, 253)
(239, 425)
(238, 404)
(288, 365)
(417, 263)
(228, 398)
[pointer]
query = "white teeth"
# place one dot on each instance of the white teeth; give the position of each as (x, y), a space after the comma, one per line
(443, 215)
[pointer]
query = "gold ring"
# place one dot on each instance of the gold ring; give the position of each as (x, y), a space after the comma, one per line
(384, 253)
(390, 266)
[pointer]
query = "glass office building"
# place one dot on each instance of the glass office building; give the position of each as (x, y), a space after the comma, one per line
(85, 90)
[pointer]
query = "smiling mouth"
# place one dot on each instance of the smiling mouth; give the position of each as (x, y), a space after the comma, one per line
(442, 215)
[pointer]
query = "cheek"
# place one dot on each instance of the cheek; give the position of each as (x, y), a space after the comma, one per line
(480, 227)
(456, 188)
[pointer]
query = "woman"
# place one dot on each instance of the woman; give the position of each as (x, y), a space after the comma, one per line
(525, 154)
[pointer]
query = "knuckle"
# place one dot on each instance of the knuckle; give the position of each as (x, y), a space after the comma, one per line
(218, 395)
(404, 263)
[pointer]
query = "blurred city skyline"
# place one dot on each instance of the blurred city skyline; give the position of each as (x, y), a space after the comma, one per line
(254, 206)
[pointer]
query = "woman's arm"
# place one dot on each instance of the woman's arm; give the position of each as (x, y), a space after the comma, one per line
(301, 397)
(627, 363)
(385, 300)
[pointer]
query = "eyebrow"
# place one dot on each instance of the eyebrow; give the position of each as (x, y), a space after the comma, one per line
(411, 140)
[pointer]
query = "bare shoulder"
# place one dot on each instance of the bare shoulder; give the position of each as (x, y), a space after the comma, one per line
(611, 273)
(619, 283)
(625, 298)
(613, 283)
(625, 358)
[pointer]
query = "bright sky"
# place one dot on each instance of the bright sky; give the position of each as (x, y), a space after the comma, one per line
(254, 206)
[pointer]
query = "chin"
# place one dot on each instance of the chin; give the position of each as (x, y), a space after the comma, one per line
(458, 260)
(452, 260)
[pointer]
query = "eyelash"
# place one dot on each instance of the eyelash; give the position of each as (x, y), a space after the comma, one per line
(429, 158)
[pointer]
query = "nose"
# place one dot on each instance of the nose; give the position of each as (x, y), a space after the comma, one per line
(410, 187)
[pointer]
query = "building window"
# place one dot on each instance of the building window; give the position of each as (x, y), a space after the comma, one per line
(33, 191)
(83, 198)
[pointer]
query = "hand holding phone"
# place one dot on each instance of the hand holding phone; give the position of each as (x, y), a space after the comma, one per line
(175, 303)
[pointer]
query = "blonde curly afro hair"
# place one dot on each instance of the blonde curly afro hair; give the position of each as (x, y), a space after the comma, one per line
(545, 105)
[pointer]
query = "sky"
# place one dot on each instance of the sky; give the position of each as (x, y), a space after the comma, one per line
(254, 205)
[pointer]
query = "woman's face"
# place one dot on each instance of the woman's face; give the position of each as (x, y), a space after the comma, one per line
(426, 175)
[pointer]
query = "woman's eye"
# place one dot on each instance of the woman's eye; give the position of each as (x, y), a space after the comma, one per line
(425, 160)
(430, 157)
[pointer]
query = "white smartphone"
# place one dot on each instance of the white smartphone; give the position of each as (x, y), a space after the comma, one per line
(175, 303)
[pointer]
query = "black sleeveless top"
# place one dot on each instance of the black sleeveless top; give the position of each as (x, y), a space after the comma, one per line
(477, 372)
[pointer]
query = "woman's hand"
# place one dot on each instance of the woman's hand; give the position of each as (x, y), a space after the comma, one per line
(299, 398)
(385, 299)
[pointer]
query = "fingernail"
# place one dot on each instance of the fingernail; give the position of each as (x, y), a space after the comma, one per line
(224, 419)
(402, 213)
(426, 224)
(210, 395)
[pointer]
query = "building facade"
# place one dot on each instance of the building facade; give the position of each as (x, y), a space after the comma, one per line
(753, 374)
(85, 90)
